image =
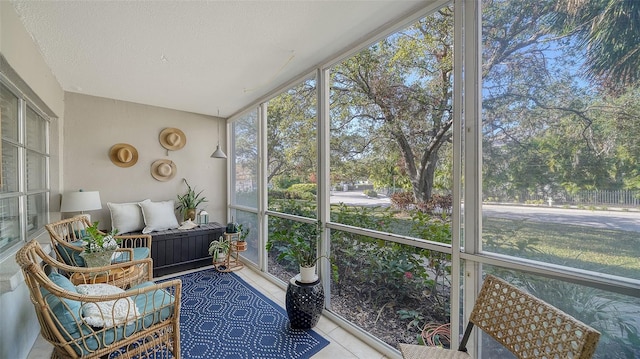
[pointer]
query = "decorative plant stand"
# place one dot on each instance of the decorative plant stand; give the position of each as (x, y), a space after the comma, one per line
(232, 261)
(304, 302)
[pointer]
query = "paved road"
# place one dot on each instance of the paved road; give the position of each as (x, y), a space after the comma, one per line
(357, 198)
(618, 220)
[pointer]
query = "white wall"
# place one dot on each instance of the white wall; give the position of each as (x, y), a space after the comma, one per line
(19, 327)
(80, 138)
(24, 56)
(94, 124)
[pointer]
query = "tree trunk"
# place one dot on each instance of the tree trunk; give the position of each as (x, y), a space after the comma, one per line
(423, 184)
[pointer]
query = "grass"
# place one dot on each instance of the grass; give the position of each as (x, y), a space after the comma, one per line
(608, 251)
(602, 250)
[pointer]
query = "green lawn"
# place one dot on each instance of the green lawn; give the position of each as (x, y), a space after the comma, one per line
(601, 250)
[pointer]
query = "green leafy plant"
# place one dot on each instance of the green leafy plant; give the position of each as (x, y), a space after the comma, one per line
(218, 247)
(97, 241)
(191, 199)
(297, 244)
(242, 233)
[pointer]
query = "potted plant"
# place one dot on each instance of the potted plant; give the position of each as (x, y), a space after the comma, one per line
(99, 247)
(219, 249)
(304, 300)
(241, 243)
(188, 203)
(299, 245)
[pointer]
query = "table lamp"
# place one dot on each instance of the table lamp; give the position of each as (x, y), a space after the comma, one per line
(81, 201)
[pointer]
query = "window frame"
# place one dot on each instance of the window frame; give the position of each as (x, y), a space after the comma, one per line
(23, 193)
(467, 256)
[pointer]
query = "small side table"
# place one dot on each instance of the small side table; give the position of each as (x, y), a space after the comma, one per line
(231, 262)
(304, 303)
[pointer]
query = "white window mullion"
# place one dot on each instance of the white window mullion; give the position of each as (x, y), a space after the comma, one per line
(263, 219)
(324, 183)
(456, 215)
(472, 140)
(22, 167)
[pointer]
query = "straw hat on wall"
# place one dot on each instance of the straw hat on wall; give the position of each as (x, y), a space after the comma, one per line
(123, 155)
(172, 139)
(163, 170)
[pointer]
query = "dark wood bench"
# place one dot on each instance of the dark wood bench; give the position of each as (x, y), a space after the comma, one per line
(177, 250)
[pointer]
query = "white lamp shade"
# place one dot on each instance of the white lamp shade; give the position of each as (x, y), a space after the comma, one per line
(80, 201)
(218, 153)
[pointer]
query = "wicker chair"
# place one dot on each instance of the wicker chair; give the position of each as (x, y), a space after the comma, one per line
(141, 322)
(66, 241)
(525, 325)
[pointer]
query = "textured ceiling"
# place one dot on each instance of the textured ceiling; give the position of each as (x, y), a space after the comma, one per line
(205, 57)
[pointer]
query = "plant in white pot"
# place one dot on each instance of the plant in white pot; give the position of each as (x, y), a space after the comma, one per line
(218, 249)
(299, 244)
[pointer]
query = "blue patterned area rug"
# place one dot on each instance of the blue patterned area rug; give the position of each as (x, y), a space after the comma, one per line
(224, 317)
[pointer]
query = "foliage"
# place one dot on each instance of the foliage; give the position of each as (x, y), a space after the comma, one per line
(302, 195)
(437, 203)
(385, 277)
(291, 131)
(191, 199)
(275, 194)
(547, 125)
(370, 193)
(284, 181)
(402, 200)
(394, 97)
(304, 187)
(243, 232)
(608, 31)
(392, 270)
(219, 247)
(97, 241)
(297, 243)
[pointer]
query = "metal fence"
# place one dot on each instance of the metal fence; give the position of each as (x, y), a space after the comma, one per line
(623, 198)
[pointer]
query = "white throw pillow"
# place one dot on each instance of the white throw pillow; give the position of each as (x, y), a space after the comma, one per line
(108, 313)
(126, 217)
(158, 216)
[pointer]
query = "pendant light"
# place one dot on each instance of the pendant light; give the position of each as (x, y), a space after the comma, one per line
(218, 152)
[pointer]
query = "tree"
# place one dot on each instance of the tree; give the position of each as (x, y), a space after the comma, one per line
(291, 133)
(609, 31)
(546, 126)
(399, 92)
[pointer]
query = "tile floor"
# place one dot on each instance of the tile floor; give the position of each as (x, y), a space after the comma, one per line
(342, 344)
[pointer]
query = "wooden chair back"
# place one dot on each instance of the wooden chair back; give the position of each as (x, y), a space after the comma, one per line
(153, 332)
(527, 326)
(66, 235)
